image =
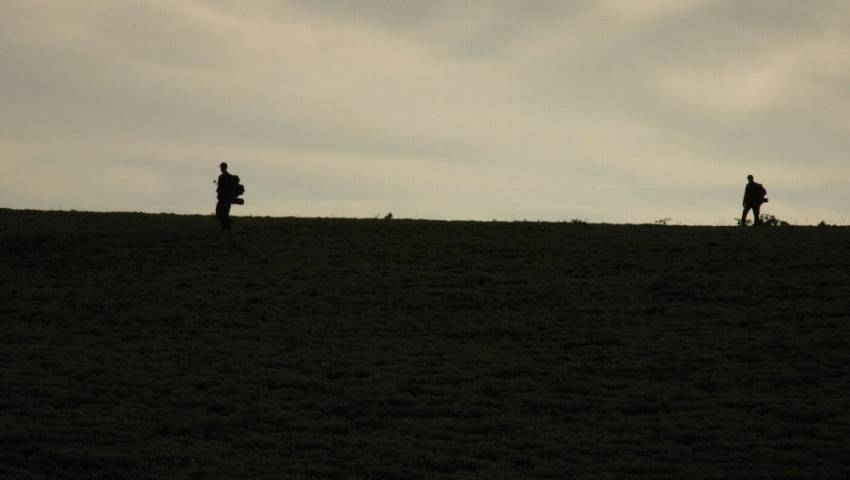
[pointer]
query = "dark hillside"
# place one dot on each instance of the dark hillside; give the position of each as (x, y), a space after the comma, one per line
(157, 346)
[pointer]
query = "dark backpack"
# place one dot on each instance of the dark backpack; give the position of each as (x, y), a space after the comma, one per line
(238, 188)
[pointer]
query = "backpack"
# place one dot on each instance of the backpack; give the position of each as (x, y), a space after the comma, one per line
(238, 188)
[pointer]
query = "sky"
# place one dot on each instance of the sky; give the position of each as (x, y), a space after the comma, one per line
(624, 111)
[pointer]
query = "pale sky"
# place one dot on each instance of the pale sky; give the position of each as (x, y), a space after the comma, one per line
(604, 110)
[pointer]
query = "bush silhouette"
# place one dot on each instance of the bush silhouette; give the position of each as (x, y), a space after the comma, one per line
(772, 221)
(766, 219)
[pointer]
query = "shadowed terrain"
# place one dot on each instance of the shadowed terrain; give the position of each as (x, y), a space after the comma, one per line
(158, 346)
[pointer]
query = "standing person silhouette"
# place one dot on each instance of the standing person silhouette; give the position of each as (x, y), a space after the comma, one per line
(754, 196)
(225, 192)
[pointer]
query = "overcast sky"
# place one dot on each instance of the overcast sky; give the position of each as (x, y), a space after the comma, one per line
(605, 110)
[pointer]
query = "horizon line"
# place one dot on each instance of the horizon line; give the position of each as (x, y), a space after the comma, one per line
(664, 222)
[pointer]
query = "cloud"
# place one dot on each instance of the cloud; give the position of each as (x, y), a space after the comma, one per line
(799, 74)
(617, 111)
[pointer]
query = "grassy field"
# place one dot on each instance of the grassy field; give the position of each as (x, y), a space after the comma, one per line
(158, 346)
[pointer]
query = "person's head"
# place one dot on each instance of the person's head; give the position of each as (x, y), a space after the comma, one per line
(749, 177)
(223, 167)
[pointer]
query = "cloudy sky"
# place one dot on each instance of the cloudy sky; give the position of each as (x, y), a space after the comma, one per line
(605, 110)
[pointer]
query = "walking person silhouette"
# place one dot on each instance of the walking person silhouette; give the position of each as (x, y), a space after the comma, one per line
(754, 197)
(226, 192)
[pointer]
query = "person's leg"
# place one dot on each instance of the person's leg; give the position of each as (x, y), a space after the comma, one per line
(219, 212)
(227, 222)
(222, 212)
(756, 215)
(744, 216)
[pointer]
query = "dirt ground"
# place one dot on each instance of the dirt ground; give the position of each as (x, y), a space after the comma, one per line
(157, 346)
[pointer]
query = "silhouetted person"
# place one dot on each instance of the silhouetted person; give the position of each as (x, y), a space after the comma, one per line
(754, 196)
(225, 192)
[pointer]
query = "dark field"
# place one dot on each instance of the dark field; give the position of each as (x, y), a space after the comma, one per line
(157, 346)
